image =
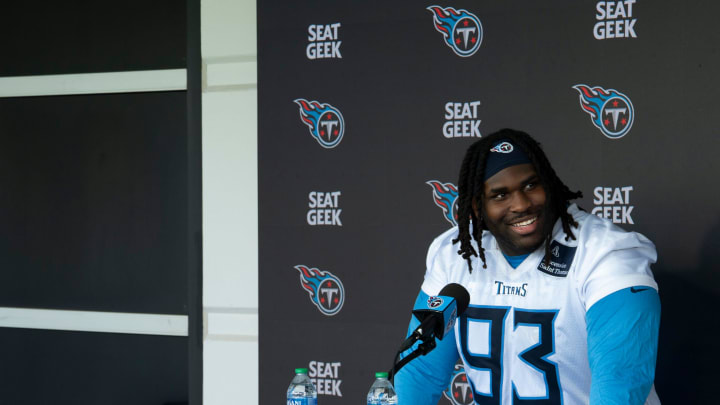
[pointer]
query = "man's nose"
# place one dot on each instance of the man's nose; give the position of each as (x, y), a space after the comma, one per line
(519, 202)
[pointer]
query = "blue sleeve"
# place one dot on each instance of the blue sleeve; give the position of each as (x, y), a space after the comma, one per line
(622, 338)
(423, 380)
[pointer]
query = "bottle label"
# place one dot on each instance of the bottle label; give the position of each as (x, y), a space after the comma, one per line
(302, 401)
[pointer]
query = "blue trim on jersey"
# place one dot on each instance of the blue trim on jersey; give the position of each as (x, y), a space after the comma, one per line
(544, 358)
(520, 356)
(622, 346)
(423, 380)
(471, 313)
(515, 261)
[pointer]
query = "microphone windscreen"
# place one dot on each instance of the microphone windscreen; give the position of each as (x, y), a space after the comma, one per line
(461, 295)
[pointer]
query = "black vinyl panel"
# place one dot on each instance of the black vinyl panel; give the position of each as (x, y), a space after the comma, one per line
(59, 367)
(94, 202)
(57, 37)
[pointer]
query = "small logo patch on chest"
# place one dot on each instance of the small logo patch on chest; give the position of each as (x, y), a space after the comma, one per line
(561, 258)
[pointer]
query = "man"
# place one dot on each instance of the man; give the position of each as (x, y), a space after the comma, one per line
(563, 305)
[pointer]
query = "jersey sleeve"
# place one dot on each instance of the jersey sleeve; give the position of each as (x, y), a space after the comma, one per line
(622, 331)
(613, 259)
(422, 381)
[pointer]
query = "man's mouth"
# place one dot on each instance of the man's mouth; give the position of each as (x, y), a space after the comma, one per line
(526, 222)
(526, 226)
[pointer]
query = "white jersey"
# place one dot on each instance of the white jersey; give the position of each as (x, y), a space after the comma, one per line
(524, 335)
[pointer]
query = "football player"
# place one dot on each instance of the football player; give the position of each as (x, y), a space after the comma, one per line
(563, 307)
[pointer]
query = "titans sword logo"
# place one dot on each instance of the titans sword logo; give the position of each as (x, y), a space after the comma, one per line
(462, 30)
(326, 291)
(610, 111)
(445, 196)
(459, 392)
(324, 121)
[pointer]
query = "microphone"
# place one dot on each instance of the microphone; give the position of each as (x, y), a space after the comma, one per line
(438, 313)
(437, 316)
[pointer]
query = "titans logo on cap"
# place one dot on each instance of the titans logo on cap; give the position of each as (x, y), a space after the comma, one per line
(325, 122)
(504, 156)
(504, 147)
(445, 196)
(459, 392)
(462, 30)
(326, 291)
(610, 111)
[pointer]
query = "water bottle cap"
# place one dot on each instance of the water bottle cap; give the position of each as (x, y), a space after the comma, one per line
(381, 374)
(300, 371)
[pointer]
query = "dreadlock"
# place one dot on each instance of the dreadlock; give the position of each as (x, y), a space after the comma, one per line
(471, 186)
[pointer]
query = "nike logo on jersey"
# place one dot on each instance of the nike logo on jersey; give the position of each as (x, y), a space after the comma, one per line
(637, 290)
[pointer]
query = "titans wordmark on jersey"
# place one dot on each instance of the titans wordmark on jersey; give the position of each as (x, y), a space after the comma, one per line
(523, 337)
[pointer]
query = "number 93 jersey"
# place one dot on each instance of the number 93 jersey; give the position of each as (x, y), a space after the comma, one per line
(523, 337)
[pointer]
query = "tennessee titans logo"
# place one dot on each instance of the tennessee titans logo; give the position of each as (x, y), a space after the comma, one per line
(325, 122)
(461, 29)
(505, 147)
(459, 392)
(434, 302)
(611, 111)
(324, 288)
(445, 196)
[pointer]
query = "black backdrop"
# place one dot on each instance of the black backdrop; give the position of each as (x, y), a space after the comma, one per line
(390, 75)
(97, 204)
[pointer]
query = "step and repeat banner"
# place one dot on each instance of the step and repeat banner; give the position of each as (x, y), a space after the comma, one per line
(366, 109)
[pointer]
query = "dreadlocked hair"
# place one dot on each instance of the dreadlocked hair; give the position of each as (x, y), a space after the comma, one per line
(472, 186)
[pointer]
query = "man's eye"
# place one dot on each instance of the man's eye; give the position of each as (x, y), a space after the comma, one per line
(499, 196)
(530, 186)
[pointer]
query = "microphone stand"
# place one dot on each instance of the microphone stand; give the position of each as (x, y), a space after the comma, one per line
(427, 345)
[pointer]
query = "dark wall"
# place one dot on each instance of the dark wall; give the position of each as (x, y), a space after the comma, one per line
(94, 208)
(60, 367)
(392, 83)
(94, 205)
(47, 37)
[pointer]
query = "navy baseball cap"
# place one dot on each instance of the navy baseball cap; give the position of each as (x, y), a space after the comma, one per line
(503, 155)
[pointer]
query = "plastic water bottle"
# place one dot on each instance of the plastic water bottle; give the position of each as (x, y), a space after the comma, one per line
(301, 390)
(382, 391)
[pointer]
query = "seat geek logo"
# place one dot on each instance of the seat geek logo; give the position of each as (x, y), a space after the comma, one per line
(325, 290)
(324, 121)
(323, 41)
(324, 208)
(461, 120)
(461, 29)
(613, 203)
(610, 111)
(615, 20)
(326, 377)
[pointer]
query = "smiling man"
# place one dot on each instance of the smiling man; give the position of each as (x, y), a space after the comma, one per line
(563, 305)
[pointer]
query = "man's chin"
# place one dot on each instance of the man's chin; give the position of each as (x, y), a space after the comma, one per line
(527, 244)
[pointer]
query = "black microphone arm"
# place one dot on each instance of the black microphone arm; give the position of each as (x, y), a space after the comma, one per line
(423, 331)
